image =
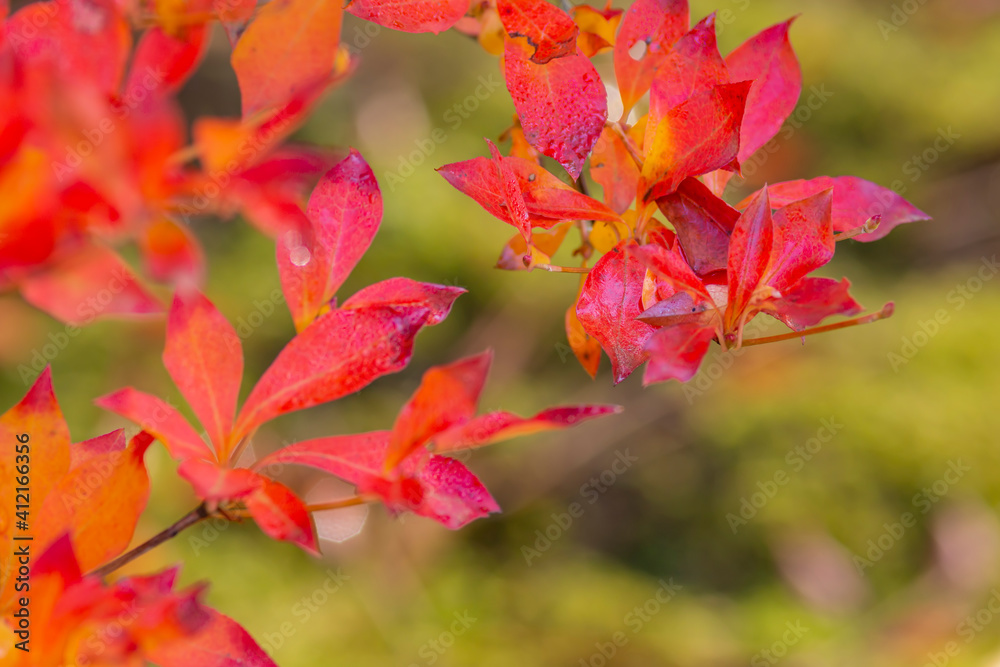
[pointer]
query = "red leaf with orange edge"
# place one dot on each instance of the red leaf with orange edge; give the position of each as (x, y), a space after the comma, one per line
(410, 15)
(547, 199)
(496, 426)
(90, 284)
(218, 483)
(703, 222)
(803, 240)
(344, 212)
(562, 104)
(341, 352)
(613, 168)
(204, 357)
(610, 302)
(159, 418)
(513, 197)
(649, 29)
(357, 458)
(163, 62)
(812, 300)
(695, 137)
(98, 501)
(405, 293)
(675, 353)
(287, 49)
(693, 65)
(447, 395)
(855, 200)
(549, 30)
(769, 60)
(281, 515)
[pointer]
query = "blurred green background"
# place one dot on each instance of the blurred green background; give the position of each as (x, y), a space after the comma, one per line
(817, 504)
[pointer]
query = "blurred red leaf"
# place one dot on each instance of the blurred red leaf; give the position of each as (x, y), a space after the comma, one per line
(410, 15)
(158, 418)
(281, 515)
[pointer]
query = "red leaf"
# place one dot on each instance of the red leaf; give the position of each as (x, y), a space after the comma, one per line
(649, 28)
(453, 496)
(855, 200)
(548, 29)
(769, 60)
(288, 48)
(220, 642)
(204, 357)
(803, 240)
(694, 65)
(547, 199)
(343, 351)
(447, 395)
(513, 198)
(410, 15)
(86, 40)
(610, 302)
(159, 418)
(356, 458)
(669, 265)
(90, 284)
(675, 353)
(406, 293)
(496, 426)
(344, 212)
(281, 515)
(562, 104)
(163, 62)
(695, 137)
(703, 222)
(612, 167)
(214, 483)
(750, 250)
(812, 300)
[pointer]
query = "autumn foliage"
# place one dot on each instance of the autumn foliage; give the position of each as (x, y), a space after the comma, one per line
(96, 158)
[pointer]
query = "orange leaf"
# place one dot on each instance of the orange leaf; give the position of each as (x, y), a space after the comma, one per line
(281, 515)
(290, 46)
(586, 348)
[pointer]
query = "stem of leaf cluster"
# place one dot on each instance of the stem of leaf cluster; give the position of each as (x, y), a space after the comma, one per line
(191, 518)
(886, 312)
(337, 504)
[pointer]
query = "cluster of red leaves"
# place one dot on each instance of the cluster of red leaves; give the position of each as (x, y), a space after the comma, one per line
(87, 497)
(680, 266)
(93, 148)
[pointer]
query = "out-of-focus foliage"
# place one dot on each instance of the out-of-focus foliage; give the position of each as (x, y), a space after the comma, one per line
(917, 104)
